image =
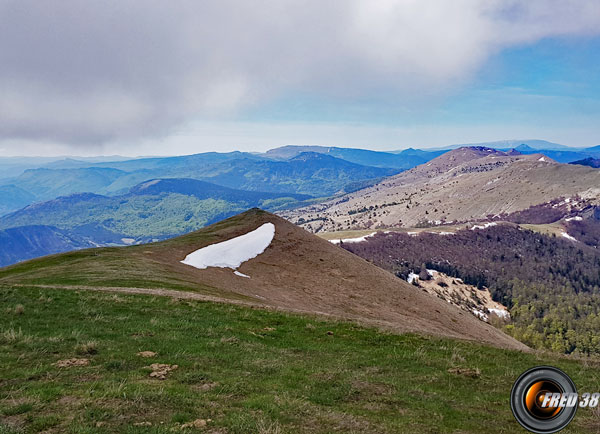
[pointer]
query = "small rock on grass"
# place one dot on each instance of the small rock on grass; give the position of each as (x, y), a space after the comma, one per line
(198, 423)
(146, 354)
(143, 424)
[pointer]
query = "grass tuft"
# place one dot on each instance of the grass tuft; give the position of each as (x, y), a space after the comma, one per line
(87, 348)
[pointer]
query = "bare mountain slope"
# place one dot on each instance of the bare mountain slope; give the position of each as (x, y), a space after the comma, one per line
(297, 272)
(465, 184)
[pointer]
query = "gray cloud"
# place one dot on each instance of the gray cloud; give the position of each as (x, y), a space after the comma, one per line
(91, 72)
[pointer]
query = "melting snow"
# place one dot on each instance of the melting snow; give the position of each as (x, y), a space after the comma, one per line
(500, 312)
(568, 237)
(353, 240)
(232, 253)
(487, 225)
(411, 277)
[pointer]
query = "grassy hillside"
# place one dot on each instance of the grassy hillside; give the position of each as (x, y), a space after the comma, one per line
(246, 370)
(298, 272)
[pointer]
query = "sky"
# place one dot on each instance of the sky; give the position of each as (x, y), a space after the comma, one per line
(133, 77)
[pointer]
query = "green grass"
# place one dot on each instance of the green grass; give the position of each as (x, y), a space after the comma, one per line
(248, 370)
(142, 266)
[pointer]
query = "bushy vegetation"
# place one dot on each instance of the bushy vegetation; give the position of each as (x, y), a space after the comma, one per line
(587, 230)
(550, 284)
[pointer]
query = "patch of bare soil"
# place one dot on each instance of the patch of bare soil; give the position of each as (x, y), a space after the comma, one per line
(198, 423)
(204, 387)
(161, 370)
(465, 372)
(69, 363)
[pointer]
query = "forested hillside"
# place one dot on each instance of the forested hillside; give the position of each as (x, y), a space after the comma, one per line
(550, 284)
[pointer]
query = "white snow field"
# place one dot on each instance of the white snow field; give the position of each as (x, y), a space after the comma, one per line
(234, 252)
(485, 226)
(353, 240)
(568, 237)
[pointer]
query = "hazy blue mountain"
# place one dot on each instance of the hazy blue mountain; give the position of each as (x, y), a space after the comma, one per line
(155, 209)
(183, 162)
(560, 156)
(13, 198)
(406, 159)
(309, 173)
(590, 161)
(19, 244)
(510, 144)
(11, 167)
(593, 151)
(46, 184)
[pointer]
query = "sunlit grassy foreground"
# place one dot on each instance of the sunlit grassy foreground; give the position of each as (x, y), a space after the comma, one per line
(246, 370)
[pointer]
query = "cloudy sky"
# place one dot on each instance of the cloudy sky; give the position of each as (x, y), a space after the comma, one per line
(142, 77)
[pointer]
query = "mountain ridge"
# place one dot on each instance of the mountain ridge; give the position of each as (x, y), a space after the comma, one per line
(298, 271)
(470, 183)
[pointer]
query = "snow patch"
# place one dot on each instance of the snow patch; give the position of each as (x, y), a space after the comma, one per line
(128, 241)
(568, 237)
(149, 184)
(500, 312)
(353, 240)
(232, 253)
(576, 218)
(412, 277)
(541, 159)
(237, 273)
(487, 225)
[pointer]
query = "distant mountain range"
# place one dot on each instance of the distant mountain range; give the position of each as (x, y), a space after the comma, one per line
(469, 183)
(405, 159)
(154, 210)
(114, 201)
(309, 173)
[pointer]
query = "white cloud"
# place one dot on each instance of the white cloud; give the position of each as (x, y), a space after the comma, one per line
(94, 72)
